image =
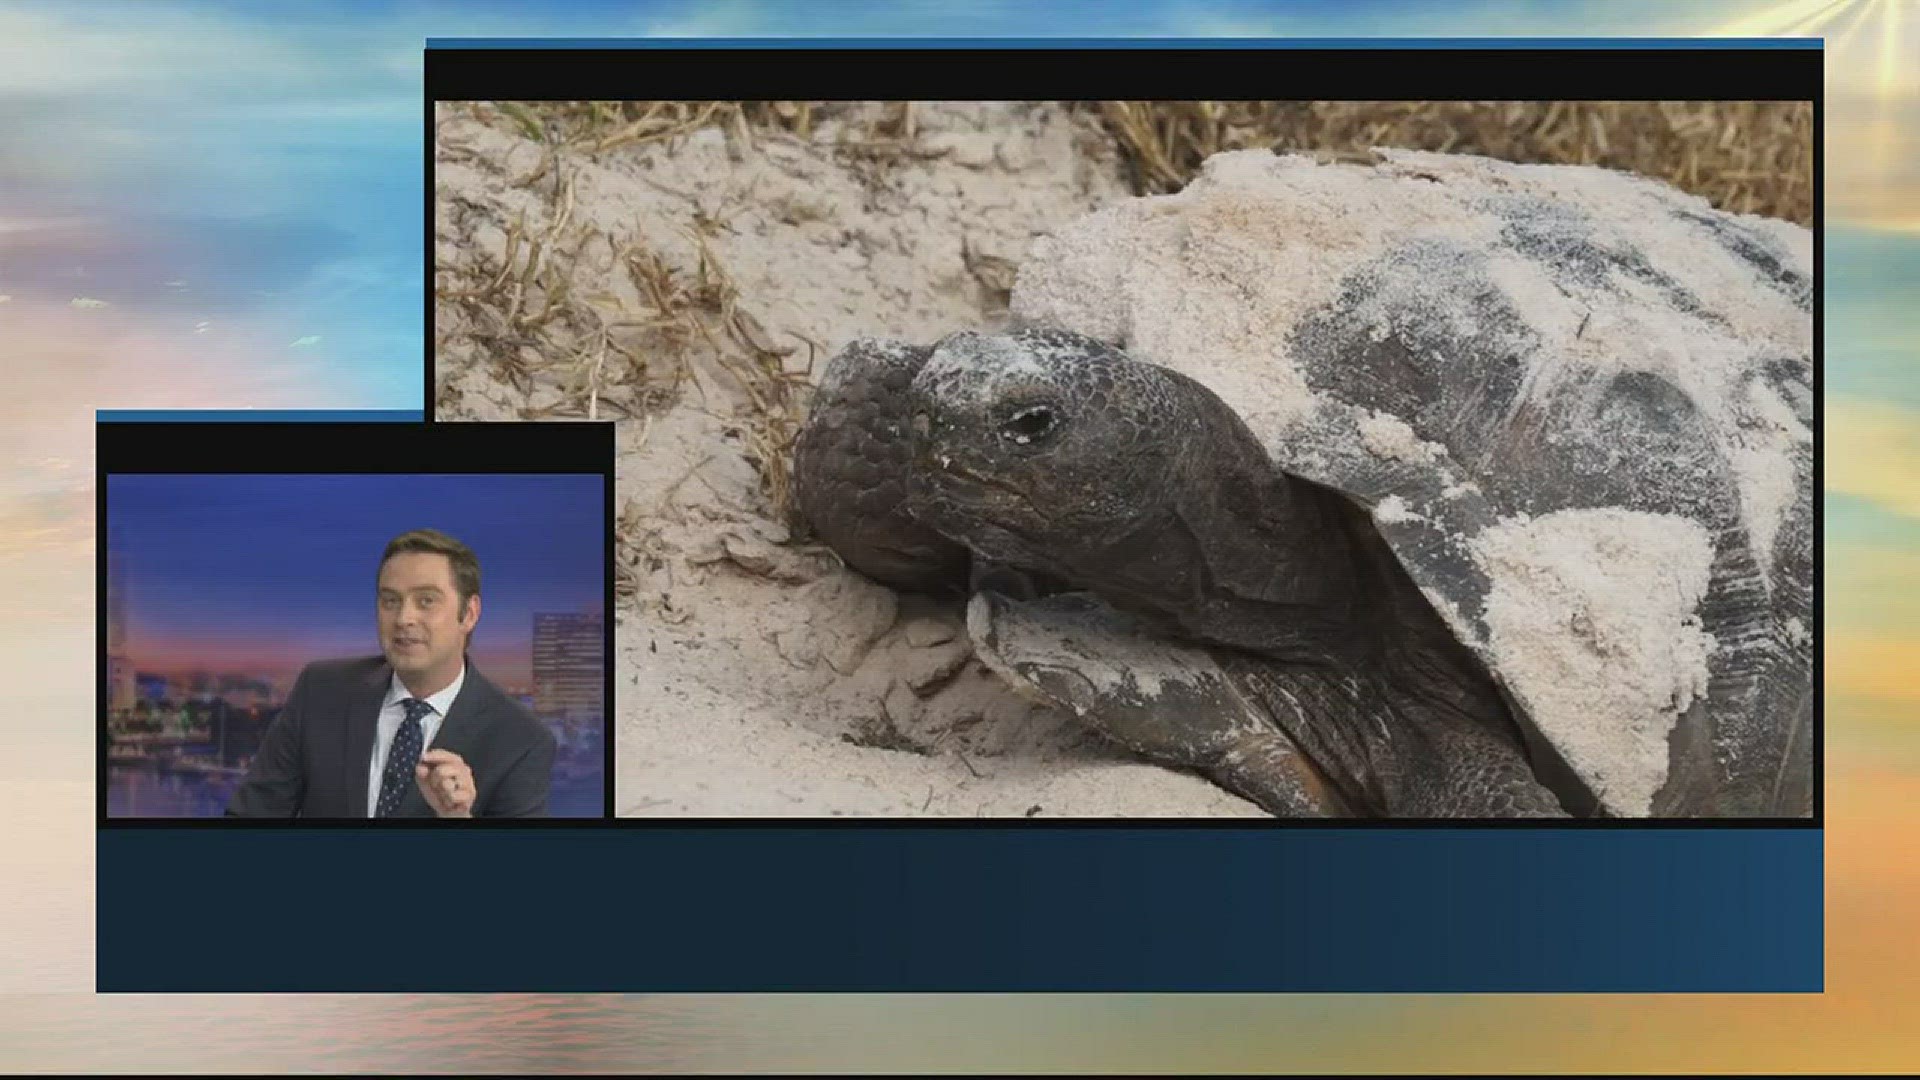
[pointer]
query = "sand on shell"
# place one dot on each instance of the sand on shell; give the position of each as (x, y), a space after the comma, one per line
(1593, 619)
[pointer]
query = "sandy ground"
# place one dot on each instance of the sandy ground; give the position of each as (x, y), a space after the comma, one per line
(690, 287)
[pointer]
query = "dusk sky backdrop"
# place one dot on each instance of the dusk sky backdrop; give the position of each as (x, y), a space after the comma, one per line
(262, 574)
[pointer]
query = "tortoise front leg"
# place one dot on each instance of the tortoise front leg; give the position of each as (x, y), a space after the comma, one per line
(1481, 777)
(1172, 705)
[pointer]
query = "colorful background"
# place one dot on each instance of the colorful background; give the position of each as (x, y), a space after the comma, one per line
(220, 588)
(217, 205)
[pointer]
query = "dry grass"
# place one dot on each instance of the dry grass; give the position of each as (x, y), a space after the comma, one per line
(599, 126)
(527, 317)
(1750, 157)
(610, 358)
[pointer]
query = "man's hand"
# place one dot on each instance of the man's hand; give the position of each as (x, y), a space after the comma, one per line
(447, 783)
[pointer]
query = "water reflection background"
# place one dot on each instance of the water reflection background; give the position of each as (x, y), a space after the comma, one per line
(150, 791)
(357, 99)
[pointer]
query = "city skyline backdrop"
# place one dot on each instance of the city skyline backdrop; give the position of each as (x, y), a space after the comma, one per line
(262, 574)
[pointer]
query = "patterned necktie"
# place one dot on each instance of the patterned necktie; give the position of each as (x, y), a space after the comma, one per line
(402, 757)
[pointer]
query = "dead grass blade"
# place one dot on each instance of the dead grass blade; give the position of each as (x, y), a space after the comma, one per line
(1741, 156)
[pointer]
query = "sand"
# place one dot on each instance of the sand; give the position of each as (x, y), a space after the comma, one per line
(1596, 611)
(755, 677)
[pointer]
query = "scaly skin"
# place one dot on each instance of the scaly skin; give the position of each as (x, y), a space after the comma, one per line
(850, 473)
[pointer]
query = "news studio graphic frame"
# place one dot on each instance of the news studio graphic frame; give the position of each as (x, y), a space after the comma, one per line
(238, 562)
(1014, 904)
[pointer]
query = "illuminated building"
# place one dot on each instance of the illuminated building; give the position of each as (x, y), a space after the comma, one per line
(568, 665)
(122, 690)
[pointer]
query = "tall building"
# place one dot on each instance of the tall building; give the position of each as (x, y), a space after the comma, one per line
(569, 661)
(122, 689)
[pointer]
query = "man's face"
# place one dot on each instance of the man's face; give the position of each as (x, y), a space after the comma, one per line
(423, 629)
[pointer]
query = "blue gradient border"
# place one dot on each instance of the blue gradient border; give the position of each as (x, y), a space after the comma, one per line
(1038, 909)
(790, 44)
(258, 416)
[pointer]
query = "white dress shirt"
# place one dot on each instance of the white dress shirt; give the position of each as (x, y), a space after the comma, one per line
(391, 715)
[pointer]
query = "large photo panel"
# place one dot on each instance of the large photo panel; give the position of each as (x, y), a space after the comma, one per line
(1182, 459)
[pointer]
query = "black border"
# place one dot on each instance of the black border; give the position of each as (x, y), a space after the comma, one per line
(429, 384)
(1819, 458)
(901, 72)
(898, 71)
(128, 448)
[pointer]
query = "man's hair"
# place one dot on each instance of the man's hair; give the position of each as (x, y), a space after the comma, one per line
(466, 565)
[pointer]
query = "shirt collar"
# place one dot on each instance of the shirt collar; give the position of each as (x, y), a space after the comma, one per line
(441, 702)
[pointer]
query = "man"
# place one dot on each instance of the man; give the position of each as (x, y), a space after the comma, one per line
(416, 732)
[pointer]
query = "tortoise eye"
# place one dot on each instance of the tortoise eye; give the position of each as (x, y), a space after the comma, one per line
(1030, 423)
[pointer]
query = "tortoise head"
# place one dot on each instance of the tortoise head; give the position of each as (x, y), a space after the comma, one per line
(1030, 446)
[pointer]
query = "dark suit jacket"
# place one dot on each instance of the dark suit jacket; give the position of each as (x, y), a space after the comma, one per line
(314, 758)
